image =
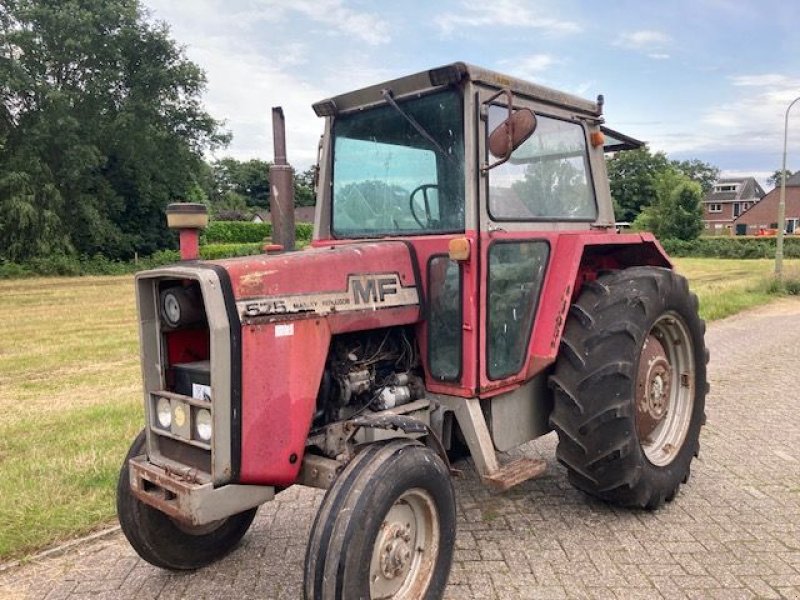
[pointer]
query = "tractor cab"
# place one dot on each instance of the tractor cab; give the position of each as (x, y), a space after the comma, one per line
(474, 148)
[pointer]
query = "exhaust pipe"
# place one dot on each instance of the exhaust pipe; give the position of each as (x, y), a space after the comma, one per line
(281, 178)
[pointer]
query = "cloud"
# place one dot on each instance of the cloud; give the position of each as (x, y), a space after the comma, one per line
(751, 117)
(502, 13)
(658, 56)
(759, 105)
(529, 67)
(767, 79)
(229, 17)
(644, 40)
(255, 58)
(333, 13)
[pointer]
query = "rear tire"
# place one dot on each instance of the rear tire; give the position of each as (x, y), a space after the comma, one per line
(386, 527)
(163, 542)
(630, 386)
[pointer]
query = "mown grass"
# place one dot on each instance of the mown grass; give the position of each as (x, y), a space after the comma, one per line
(726, 286)
(71, 402)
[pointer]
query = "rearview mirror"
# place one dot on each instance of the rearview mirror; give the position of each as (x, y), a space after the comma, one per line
(511, 133)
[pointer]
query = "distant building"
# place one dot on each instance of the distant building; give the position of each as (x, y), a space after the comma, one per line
(728, 199)
(764, 215)
(302, 214)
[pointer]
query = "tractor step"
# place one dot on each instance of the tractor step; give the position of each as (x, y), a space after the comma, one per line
(515, 472)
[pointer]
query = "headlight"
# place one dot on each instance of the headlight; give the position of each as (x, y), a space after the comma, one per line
(164, 413)
(171, 308)
(181, 306)
(202, 424)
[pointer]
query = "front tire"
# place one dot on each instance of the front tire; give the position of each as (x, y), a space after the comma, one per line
(163, 542)
(630, 386)
(386, 528)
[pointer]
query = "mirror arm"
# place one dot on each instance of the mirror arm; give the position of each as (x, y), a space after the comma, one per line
(485, 167)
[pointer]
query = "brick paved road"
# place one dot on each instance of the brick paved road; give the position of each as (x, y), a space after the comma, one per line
(732, 532)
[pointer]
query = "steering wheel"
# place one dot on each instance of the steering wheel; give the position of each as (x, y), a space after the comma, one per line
(424, 189)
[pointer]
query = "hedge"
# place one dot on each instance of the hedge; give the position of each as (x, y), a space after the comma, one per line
(59, 265)
(244, 232)
(732, 247)
(66, 266)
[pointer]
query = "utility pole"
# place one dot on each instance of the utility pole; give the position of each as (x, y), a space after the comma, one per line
(782, 201)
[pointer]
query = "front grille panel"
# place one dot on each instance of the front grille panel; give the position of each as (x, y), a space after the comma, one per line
(185, 454)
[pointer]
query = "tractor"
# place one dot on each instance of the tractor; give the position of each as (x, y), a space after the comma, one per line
(465, 292)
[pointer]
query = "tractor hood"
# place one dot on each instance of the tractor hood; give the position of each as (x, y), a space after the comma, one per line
(344, 280)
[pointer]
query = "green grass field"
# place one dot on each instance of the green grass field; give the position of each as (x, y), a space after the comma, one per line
(71, 402)
(726, 287)
(70, 399)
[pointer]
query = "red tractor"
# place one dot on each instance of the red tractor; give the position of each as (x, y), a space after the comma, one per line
(465, 291)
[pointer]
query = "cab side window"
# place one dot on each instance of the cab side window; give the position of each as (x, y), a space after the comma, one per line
(546, 178)
(516, 272)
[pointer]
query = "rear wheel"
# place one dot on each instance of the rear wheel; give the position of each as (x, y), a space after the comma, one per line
(385, 529)
(169, 544)
(630, 386)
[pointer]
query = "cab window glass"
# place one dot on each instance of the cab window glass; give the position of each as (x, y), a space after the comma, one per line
(516, 271)
(547, 177)
(389, 179)
(444, 323)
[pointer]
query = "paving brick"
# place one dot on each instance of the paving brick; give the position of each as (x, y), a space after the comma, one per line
(732, 532)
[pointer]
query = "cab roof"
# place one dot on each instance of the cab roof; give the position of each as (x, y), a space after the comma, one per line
(452, 74)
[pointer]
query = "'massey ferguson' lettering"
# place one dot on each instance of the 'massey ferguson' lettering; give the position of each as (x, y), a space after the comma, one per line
(363, 292)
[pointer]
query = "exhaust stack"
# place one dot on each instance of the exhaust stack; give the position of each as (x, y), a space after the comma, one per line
(189, 218)
(281, 176)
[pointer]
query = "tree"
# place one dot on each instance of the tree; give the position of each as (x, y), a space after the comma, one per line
(677, 212)
(247, 179)
(774, 180)
(632, 175)
(304, 188)
(702, 172)
(101, 126)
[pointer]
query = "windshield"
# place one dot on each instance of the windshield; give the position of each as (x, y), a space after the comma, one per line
(389, 180)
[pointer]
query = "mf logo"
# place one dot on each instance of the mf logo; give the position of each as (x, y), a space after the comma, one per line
(373, 289)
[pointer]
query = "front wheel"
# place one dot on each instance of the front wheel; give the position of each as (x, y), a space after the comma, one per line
(385, 529)
(166, 543)
(630, 387)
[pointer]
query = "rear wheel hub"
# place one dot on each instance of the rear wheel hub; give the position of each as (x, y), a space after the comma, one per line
(653, 387)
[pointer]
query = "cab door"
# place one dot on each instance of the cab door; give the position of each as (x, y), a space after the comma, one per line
(528, 203)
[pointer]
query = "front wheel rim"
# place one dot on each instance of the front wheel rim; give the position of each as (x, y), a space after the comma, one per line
(665, 389)
(406, 548)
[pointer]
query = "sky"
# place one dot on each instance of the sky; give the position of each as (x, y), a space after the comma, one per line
(706, 79)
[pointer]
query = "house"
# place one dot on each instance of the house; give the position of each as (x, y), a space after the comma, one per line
(764, 214)
(728, 199)
(302, 214)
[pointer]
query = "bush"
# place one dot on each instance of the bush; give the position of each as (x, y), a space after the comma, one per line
(70, 266)
(247, 232)
(10, 270)
(303, 231)
(732, 247)
(236, 232)
(217, 251)
(788, 286)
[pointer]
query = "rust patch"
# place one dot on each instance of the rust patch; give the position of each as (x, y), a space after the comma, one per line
(251, 282)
